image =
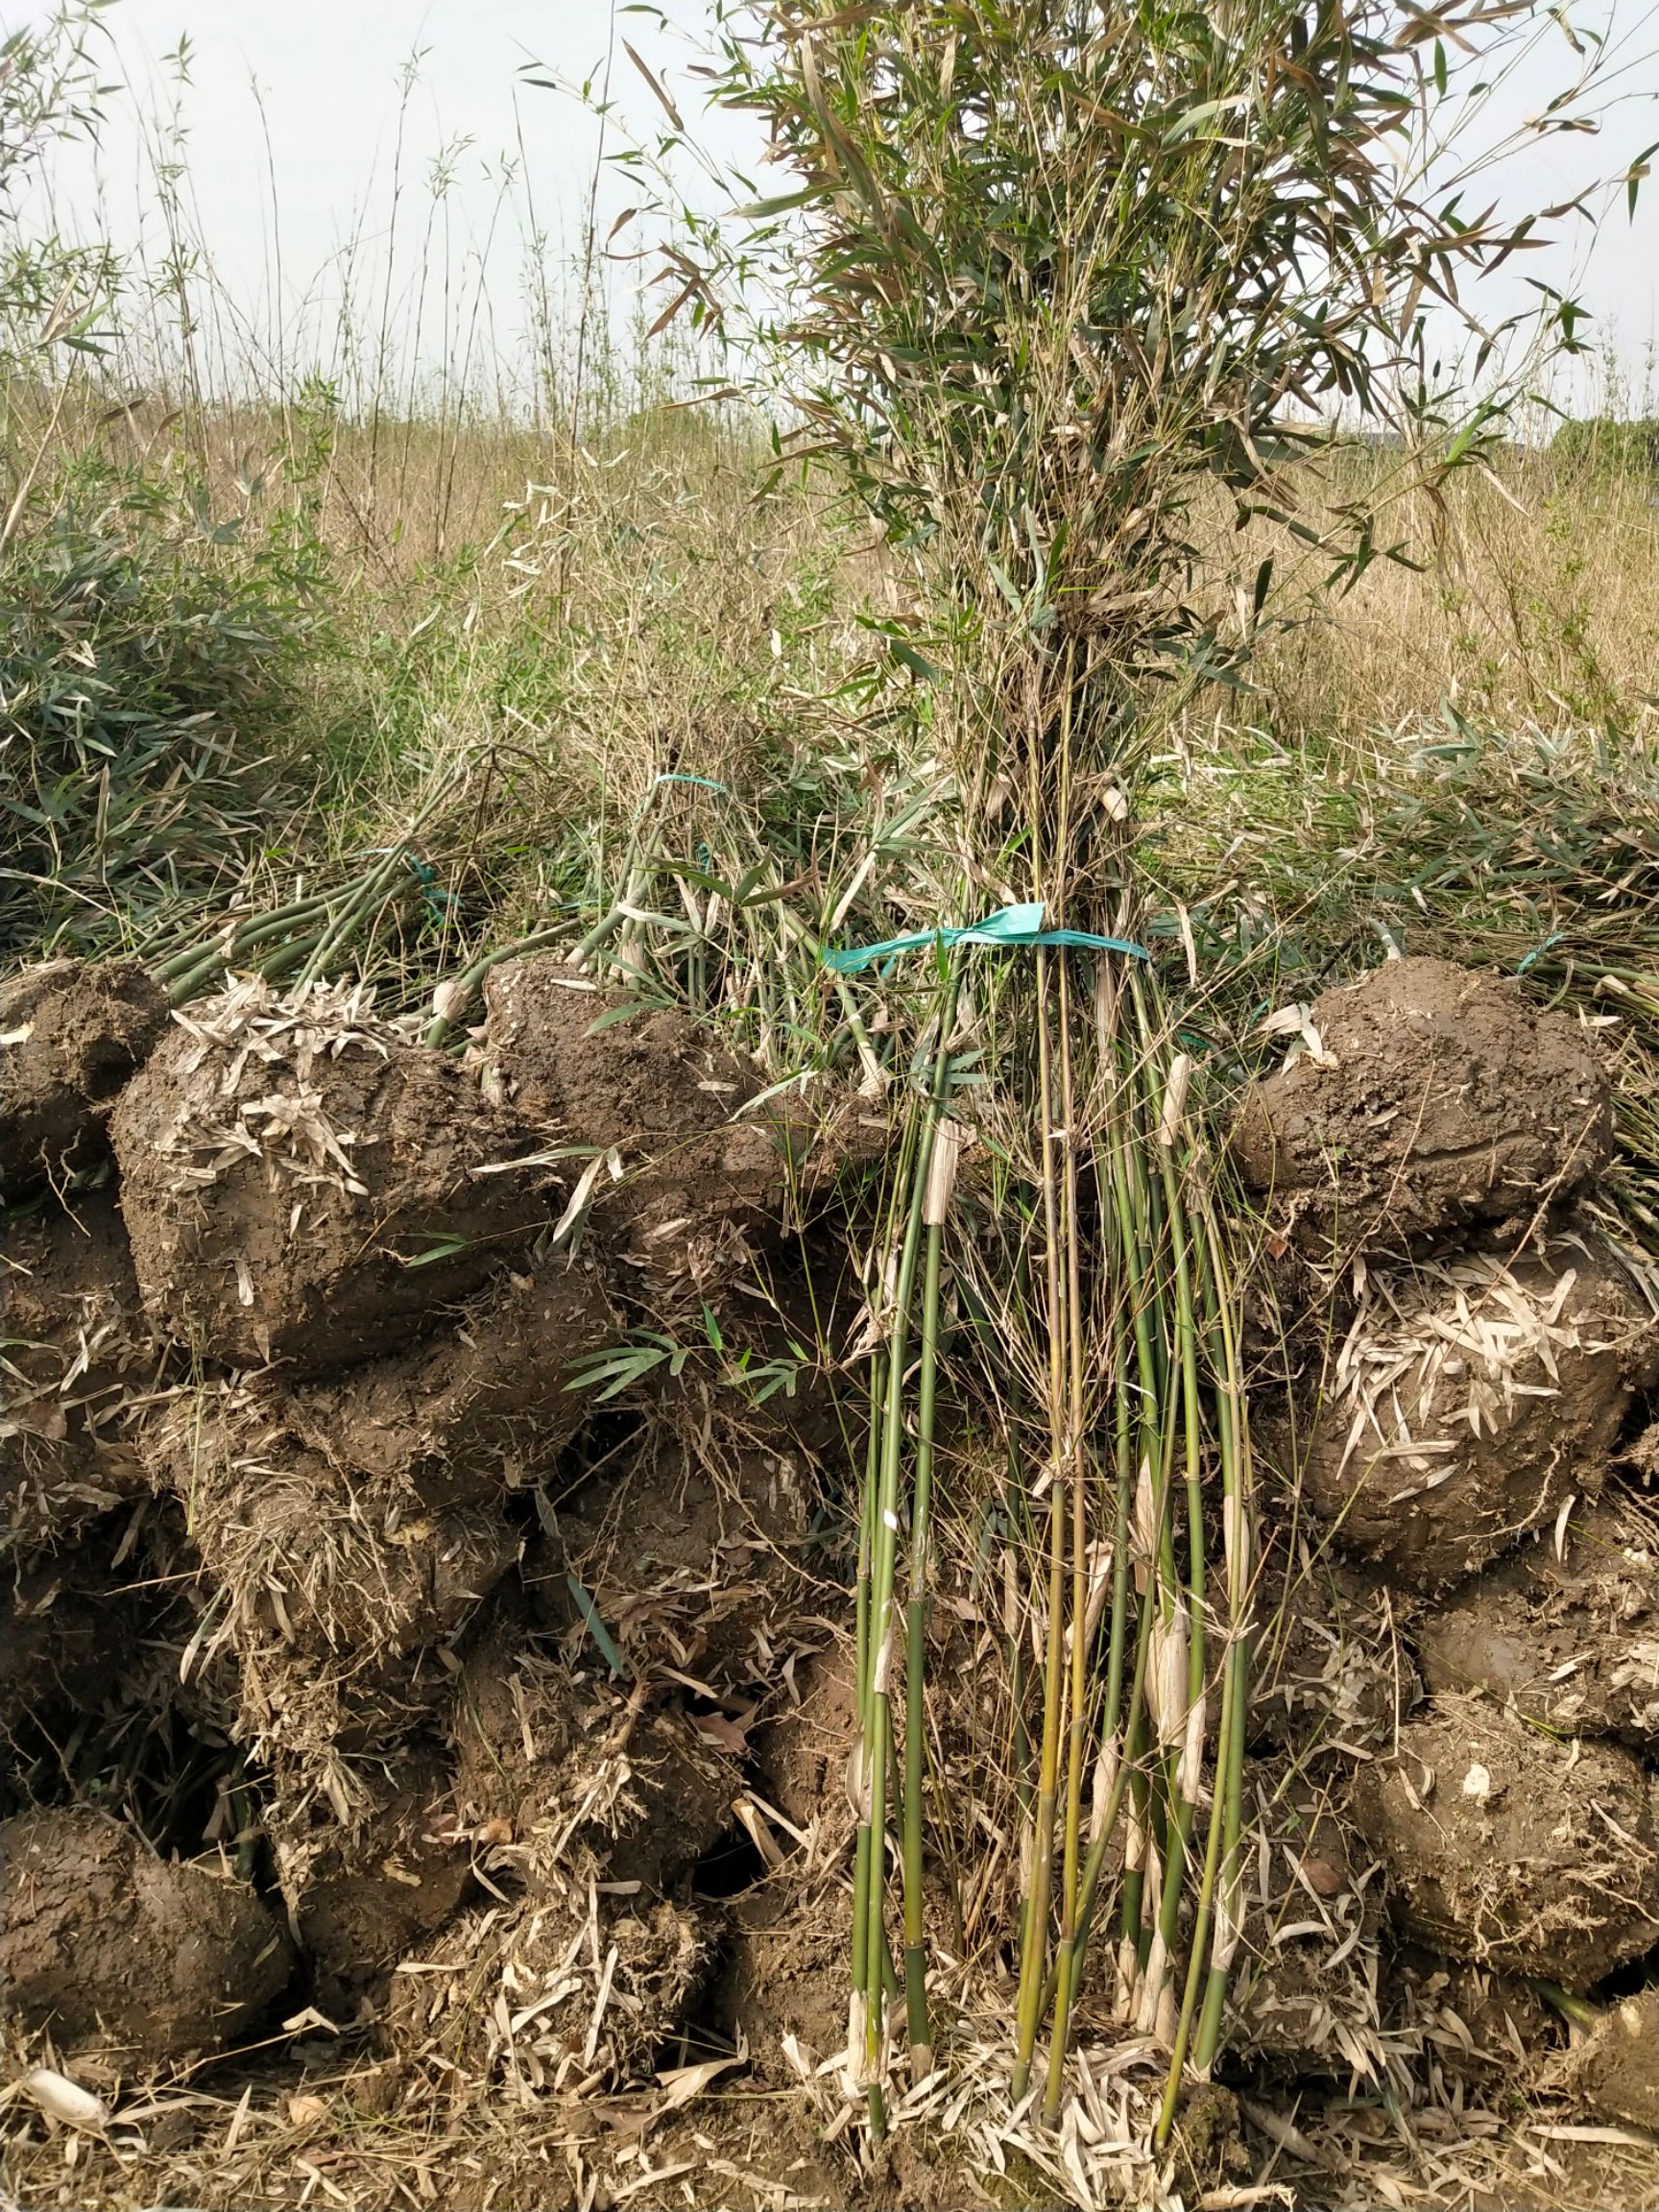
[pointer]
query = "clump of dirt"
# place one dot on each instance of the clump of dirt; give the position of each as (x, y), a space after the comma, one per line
(563, 1991)
(655, 1090)
(70, 1036)
(1438, 1097)
(1330, 1669)
(1475, 2024)
(480, 1409)
(360, 1894)
(1507, 1848)
(1615, 2071)
(337, 1595)
(784, 1972)
(690, 1554)
(1307, 1991)
(79, 1364)
(68, 1630)
(335, 1569)
(801, 1756)
(302, 1183)
(108, 1945)
(546, 1754)
(1472, 1399)
(1566, 1628)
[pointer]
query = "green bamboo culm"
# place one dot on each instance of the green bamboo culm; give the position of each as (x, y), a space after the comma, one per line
(925, 1201)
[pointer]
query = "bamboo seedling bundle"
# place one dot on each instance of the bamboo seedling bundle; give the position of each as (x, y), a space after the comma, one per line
(1040, 271)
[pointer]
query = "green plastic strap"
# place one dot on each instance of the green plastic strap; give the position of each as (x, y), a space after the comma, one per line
(676, 775)
(1538, 951)
(1009, 925)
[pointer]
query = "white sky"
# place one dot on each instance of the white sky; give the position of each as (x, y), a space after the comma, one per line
(321, 152)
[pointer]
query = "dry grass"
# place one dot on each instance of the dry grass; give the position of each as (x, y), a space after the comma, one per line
(1537, 603)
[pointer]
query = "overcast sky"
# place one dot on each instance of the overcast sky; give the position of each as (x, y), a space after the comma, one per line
(292, 119)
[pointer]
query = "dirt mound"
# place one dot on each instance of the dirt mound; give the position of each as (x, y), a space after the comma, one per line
(302, 1183)
(1439, 1096)
(785, 1973)
(1306, 2000)
(801, 1756)
(1329, 1669)
(1616, 2070)
(1475, 2024)
(1471, 1400)
(361, 1893)
(548, 1751)
(78, 1363)
(337, 1595)
(1506, 1848)
(655, 1091)
(564, 1992)
(690, 1556)
(481, 1408)
(68, 1631)
(336, 1568)
(70, 1036)
(106, 1944)
(1566, 1630)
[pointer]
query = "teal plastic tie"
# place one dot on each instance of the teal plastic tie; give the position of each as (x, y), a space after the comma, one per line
(675, 775)
(1008, 927)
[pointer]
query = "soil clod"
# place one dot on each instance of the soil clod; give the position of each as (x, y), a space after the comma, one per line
(699, 1177)
(1507, 1848)
(1472, 1399)
(479, 1408)
(1566, 1628)
(1439, 1098)
(1616, 2070)
(303, 1184)
(70, 1036)
(75, 1366)
(106, 1944)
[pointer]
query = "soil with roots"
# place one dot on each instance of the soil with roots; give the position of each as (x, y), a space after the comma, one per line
(427, 1687)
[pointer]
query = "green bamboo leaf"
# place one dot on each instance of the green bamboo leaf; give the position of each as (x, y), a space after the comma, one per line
(595, 1626)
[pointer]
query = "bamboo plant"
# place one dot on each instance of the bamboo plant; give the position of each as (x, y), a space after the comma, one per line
(1037, 278)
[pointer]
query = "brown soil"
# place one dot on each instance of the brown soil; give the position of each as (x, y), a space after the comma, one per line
(1471, 1400)
(570, 1986)
(801, 1756)
(533, 1713)
(1615, 2070)
(360, 1896)
(1307, 1998)
(658, 1091)
(545, 1754)
(687, 1556)
(67, 1634)
(1475, 2024)
(1565, 1631)
(301, 1184)
(1442, 1098)
(785, 1975)
(340, 1599)
(480, 1409)
(106, 1944)
(70, 1036)
(1503, 1847)
(77, 1362)
(1331, 1670)
(332, 1568)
